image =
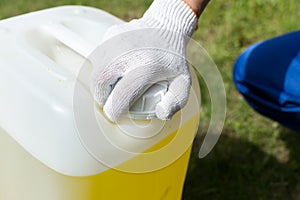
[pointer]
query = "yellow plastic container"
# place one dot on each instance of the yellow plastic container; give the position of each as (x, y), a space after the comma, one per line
(42, 155)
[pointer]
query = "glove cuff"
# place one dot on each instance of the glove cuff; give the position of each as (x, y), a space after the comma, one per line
(173, 15)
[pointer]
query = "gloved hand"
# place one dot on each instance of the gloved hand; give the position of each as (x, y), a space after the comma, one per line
(135, 71)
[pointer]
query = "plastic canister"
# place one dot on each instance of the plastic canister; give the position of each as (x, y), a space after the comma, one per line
(42, 153)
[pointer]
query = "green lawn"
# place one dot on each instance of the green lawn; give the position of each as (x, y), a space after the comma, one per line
(255, 158)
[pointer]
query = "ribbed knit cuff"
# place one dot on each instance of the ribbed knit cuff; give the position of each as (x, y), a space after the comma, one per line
(173, 15)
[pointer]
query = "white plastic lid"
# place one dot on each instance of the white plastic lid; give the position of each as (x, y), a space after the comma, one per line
(144, 107)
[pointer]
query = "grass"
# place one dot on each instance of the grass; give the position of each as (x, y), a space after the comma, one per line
(255, 158)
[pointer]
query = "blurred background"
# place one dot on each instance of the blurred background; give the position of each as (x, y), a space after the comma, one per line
(255, 158)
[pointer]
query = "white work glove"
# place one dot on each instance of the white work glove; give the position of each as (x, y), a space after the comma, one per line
(137, 70)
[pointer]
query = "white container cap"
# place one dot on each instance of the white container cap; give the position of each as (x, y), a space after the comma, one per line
(144, 107)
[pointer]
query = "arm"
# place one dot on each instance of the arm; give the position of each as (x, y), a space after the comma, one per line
(197, 5)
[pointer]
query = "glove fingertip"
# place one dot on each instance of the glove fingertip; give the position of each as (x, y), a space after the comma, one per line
(162, 112)
(112, 116)
(99, 97)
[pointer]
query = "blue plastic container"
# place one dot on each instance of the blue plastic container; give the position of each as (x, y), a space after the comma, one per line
(267, 74)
